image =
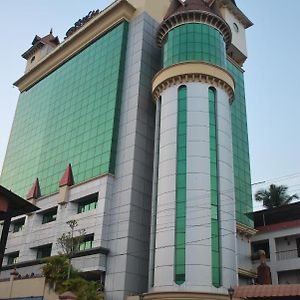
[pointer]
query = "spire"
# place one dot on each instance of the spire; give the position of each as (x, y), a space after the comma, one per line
(51, 30)
(35, 191)
(67, 178)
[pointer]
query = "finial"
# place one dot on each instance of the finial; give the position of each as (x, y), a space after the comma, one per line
(51, 30)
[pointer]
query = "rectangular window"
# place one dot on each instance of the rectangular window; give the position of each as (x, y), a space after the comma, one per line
(43, 251)
(12, 258)
(87, 243)
(87, 203)
(49, 216)
(18, 225)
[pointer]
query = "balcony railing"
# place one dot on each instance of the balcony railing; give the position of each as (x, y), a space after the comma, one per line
(287, 254)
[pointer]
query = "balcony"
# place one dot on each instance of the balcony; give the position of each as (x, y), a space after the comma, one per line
(288, 254)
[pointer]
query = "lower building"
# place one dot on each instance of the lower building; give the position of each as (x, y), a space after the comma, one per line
(278, 234)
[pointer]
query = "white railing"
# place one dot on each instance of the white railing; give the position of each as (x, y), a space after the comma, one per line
(287, 254)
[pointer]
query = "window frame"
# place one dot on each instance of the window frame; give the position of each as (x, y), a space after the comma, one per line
(49, 216)
(88, 203)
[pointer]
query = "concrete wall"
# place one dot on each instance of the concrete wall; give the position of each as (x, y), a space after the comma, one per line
(32, 287)
(198, 204)
(244, 253)
(129, 212)
(283, 253)
(238, 38)
(36, 234)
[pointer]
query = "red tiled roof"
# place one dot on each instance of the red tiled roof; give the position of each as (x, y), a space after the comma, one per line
(279, 226)
(265, 291)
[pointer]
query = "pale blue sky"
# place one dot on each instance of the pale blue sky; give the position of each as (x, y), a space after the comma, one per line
(272, 74)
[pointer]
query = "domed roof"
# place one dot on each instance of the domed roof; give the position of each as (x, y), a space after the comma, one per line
(178, 6)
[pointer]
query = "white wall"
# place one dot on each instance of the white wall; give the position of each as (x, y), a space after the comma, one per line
(198, 203)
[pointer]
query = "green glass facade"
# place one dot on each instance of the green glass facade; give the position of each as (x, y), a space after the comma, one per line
(241, 160)
(71, 116)
(181, 186)
(214, 192)
(194, 42)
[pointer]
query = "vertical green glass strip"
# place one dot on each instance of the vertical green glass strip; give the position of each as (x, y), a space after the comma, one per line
(181, 186)
(241, 160)
(215, 230)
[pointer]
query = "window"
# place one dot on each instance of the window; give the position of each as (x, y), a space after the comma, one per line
(18, 225)
(12, 258)
(88, 203)
(87, 243)
(236, 27)
(49, 216)
(260, 245)
(32, 59)
(43, 251)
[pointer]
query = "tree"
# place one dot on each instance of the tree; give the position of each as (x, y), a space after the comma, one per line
(56, 271)
(275, 196)
(83, 289)
(69, 243)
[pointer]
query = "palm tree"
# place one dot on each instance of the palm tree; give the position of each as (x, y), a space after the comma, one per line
(275, 196)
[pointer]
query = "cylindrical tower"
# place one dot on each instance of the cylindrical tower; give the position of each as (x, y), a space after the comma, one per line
(195, 246)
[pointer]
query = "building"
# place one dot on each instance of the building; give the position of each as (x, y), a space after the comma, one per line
(279, 236)
(135, 126)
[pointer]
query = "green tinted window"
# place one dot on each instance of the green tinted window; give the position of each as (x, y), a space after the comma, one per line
(12, 258)
(87, 243)
(214, 182)
(241, 161)
(18, 225)
(181, 186)
(71, 116)
(43, 251)
(49, 216)
(87, 205)
(194, 42)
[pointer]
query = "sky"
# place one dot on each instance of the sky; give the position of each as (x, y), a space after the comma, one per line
(272, 75)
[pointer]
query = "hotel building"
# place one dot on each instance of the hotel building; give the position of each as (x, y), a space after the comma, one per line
(135, 126)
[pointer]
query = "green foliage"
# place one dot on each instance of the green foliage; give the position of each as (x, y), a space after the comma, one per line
(83, 289)
(69, 242)
(275, 196)
(56, 272)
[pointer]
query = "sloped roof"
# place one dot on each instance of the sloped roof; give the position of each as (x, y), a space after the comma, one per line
(267, 291)
(17, 205)
(39, 42)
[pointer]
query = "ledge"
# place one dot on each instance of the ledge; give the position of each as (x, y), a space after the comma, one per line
(185, 296)
(115, 14)
(29, 263)
(245, 230)
(192, 71)
(247, 273)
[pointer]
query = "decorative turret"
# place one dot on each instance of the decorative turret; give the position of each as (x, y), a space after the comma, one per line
(40, 48)
(195, 185)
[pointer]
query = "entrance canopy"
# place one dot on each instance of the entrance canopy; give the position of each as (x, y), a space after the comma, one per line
(13, 205)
